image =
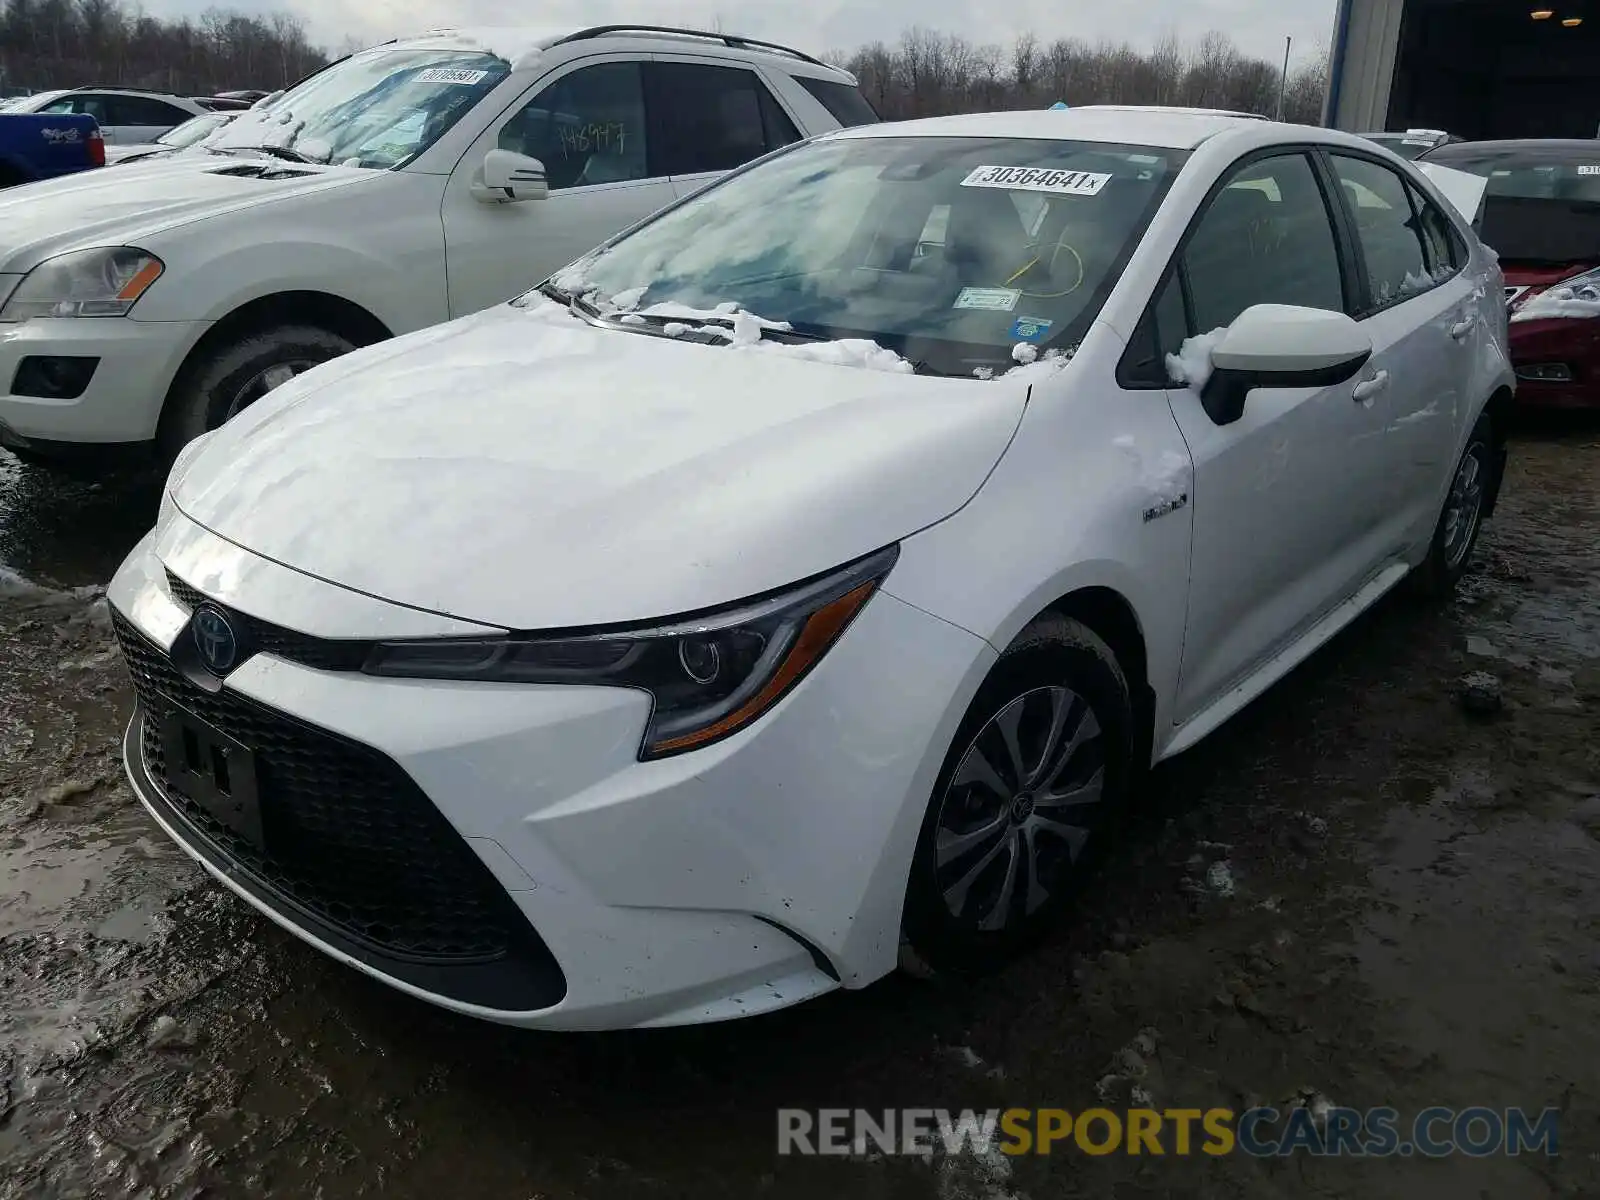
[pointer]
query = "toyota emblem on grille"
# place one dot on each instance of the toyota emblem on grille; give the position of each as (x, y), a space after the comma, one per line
(215, 639)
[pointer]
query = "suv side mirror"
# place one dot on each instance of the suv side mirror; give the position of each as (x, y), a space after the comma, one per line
(507, 177)
(1285, 346)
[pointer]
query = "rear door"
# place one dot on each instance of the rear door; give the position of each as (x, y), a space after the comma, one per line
(590, 127)
(142, 119)
(709, 117)
(1420, 309)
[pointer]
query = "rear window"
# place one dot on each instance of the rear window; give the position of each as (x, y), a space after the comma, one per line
(1541, 204)
(1529, 174)
(844, 102)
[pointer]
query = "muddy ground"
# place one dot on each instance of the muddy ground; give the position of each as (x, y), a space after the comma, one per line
(1413, 920)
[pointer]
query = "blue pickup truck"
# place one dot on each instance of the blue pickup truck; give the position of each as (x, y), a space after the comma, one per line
(43, 146)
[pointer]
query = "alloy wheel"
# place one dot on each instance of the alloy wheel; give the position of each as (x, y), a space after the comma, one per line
(1463, 508)
(264, 381)
(1019, 809)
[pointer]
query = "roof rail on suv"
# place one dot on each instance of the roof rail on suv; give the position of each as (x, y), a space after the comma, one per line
(119, 87)
(727, 39)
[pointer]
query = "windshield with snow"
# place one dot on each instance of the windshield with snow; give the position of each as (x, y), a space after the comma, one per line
(962, 255)
(1541, 203)
(379, 109)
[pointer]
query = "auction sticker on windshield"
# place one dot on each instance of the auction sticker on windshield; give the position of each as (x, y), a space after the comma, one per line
(1038, 179)
(990, 299)
(450, 75)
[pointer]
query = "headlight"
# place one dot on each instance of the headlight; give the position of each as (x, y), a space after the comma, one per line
(709, 677)
(85, 283)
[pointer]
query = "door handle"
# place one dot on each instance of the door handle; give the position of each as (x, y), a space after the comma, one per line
(1461, 328)
(1368, 388)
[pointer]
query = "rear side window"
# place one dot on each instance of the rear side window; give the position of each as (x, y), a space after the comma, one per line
(142, 110)
(844, 103)
(1389, 231)
(1440, 241)
(710, 118)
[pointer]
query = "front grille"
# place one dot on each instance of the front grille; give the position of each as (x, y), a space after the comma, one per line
(354, 851)
(263, 637)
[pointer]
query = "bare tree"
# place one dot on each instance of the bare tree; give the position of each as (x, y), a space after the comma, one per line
(930, 73)
(64, 43)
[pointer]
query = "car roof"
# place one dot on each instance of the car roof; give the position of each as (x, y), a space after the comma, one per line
(520, 45)
(1551, 147)
(1172, 129)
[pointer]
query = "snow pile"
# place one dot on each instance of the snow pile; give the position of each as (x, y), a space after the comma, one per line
(1191, 365)
(318, 150)
(514, 44)
(1032, 369)
(16, 586)
(1025, 353)
(1574, 302)
(1165, 477)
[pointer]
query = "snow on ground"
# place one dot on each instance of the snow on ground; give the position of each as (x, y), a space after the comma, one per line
(16, 586)
(1192, 363)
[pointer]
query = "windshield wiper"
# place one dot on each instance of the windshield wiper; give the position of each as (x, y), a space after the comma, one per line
(571, 299)
(276, 152)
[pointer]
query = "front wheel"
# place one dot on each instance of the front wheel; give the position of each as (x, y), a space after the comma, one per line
(1036, 776)
(225, 380)
(1461, 518)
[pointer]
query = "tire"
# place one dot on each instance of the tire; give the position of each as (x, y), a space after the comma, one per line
(955, 919)
(223, 380)
(1472, 483)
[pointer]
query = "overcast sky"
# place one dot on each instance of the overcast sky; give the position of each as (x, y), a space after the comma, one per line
(1258, 26)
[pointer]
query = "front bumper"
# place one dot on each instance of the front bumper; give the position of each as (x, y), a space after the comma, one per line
(137, 361)
(740, 878)
(1570, 342)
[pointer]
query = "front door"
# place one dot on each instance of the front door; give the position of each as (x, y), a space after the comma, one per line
(1288, 500)
(589, 126)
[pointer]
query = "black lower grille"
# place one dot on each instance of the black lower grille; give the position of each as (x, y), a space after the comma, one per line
(263, 637)
(352, 848)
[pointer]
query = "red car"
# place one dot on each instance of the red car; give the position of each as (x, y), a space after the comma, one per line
(1541, 212)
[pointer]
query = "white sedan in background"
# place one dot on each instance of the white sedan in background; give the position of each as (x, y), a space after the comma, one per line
(798, 584)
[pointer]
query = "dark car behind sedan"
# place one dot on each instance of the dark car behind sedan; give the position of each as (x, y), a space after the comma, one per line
(1541, 213)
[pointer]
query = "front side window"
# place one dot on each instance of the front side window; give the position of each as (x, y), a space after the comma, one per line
(948, 251)
(1265, 238)
(587, 127)
(378, 109)
(1388, 229)
(713, 118)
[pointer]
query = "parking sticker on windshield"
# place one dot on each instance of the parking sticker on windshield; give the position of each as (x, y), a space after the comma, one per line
(989, 299)
(1030, 329)
(459, 75)
(1038, 179)
(1589, 170)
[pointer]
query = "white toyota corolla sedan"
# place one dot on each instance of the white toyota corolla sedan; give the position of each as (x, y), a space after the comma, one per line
(798, 584)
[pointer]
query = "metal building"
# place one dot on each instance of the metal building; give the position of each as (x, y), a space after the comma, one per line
(1477, 68)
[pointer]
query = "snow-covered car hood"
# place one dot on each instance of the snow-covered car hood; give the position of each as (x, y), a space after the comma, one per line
(142, 198)
(522, 469)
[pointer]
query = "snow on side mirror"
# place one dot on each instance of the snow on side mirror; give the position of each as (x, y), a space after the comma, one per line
(507, 177)
(1285, 346)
